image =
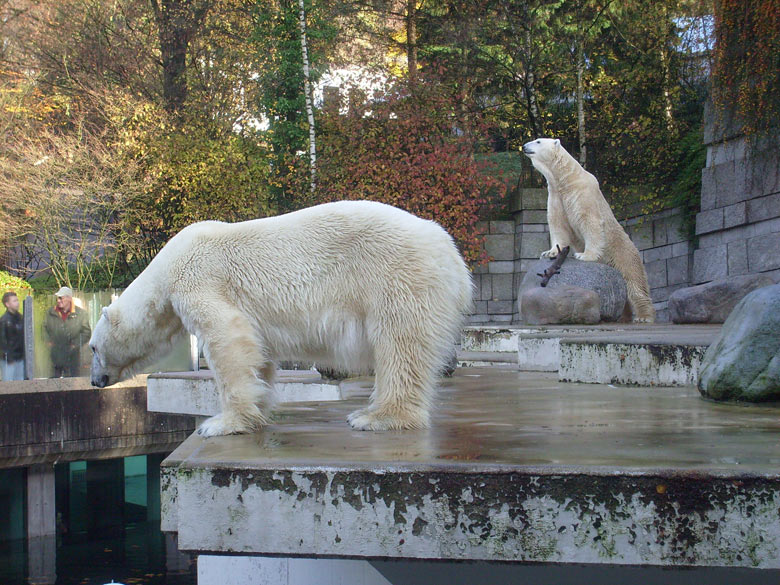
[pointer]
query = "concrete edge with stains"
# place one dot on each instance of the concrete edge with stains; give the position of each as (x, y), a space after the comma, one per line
(645, 518)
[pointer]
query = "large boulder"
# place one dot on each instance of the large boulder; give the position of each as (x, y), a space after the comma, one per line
(714, 301)
(744, 361)
(560, 305)
(604, 280)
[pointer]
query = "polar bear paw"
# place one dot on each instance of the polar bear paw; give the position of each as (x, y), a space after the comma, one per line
(550, 254)
(585, 256)
(373, 420)
(223, 425)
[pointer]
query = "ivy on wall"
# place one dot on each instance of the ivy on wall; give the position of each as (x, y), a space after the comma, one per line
(747, 62)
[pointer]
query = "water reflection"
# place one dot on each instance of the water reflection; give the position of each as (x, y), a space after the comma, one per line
(141, 554)
(108, 528)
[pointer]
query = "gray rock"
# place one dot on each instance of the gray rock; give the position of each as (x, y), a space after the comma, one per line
(560, 305)
(712, 302)
(604, 280)
(744, 361)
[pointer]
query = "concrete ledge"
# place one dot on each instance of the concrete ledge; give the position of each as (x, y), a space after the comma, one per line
(653, 355)
(195, 393)
(528, 515)
(643, 364)
(489, 339)
(538, 348)
(479, 359)
(515, 467)
(66, 419)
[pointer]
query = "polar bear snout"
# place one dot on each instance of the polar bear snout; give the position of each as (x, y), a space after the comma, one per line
(100, 381)
(100, 375)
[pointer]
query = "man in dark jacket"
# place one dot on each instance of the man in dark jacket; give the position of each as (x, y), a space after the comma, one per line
(12, 339)
(66, 328)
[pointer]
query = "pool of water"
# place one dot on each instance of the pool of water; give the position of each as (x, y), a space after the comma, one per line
(108, 528)
(137, 553)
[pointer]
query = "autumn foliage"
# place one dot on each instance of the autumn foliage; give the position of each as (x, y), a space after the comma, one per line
(411, 150)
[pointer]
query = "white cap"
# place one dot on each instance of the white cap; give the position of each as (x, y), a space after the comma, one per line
(64, 292)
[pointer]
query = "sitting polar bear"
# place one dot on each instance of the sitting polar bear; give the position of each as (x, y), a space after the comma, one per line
(580, 217)
(353, 284)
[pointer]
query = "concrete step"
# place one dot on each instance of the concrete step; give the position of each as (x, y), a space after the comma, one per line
(647, 355)
(621, 353)
(643, 364)
(480, 359)
(515, 466)
(477, 338)
(195, 393)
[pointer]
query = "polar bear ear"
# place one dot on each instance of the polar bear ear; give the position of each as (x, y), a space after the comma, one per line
(557, 142)
(111, 317)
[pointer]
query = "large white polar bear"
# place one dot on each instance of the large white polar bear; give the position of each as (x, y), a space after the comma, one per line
(354, 284)
(580, 217)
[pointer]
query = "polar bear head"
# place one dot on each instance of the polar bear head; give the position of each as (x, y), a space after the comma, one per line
(541, 149)
(123, 343)
(106, 365)
(546, 154)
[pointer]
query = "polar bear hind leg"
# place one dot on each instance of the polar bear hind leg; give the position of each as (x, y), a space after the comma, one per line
(410, 352)
(626, 259)
(243, 375)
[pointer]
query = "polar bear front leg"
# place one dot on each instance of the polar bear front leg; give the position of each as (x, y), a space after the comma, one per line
(244, 378)
(595, 239)
(560, 231)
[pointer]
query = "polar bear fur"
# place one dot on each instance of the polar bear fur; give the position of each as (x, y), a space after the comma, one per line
(580, 217)
(354, 285)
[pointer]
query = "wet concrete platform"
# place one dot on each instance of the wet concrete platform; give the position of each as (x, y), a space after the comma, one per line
(516, 466)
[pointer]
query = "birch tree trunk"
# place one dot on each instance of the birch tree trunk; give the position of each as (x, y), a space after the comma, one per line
(307, 89)
(530, 91)
(581, 105)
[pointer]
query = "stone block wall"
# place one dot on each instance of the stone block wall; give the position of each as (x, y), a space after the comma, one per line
(739, 223)
(512, 244)
(666, 253)
(493, 282)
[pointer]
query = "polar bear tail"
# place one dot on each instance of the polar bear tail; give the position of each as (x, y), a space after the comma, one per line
(626, 259)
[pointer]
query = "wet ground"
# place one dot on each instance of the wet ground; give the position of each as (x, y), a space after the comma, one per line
(498, 417)
(516, 466)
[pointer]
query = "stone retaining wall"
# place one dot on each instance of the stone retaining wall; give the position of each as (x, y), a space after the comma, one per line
(739, 223)
(513, 245)
(666, 253)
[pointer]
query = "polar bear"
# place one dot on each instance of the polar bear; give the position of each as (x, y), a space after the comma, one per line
(580, 217)
(352, 284)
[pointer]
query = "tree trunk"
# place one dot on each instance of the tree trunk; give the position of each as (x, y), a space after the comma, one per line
(530, 93)
(308, 96)
(666, 81)
(177, 21)
(411, 39)
(668, 107)
(581, 105)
